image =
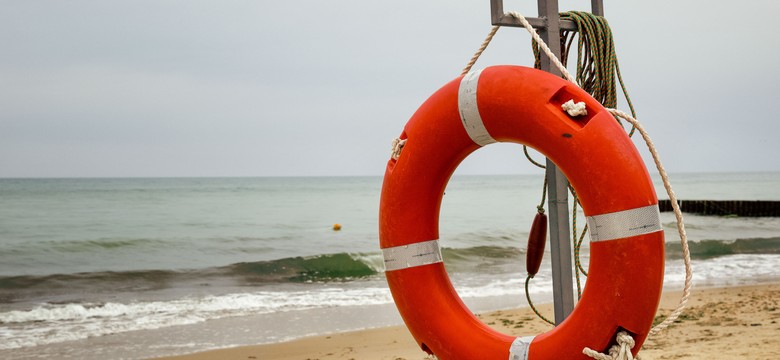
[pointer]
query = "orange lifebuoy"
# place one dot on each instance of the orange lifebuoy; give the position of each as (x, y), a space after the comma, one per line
(522, 105)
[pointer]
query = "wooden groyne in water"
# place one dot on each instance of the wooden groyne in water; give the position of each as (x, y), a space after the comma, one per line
(725, 207)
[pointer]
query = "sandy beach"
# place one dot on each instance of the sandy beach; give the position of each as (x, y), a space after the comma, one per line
(734, 322)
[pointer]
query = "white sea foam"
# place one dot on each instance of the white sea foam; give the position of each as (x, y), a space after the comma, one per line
(52, 323)
(727, 270)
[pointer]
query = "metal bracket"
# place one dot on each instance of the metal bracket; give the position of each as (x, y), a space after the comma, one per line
(497, 17)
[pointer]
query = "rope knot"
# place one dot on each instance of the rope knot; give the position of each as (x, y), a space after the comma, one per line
(619, 351)
(624, 339)
(398, 145)
(574, 109)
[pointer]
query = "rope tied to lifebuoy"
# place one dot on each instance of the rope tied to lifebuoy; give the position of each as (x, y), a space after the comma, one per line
(397, 146)
(619, 351)
(574, 109)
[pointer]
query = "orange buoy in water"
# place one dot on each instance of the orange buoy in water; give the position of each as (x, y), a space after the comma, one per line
(336, 227)
(522, 105)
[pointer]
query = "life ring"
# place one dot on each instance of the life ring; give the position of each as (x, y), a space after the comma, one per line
(522, 105)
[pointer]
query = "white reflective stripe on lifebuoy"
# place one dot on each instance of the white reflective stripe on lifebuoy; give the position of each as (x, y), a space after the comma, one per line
(469, 111)
(519, 348)
(623, 224)
(417, 254)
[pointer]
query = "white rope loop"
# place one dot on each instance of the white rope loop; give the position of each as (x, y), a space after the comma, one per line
(619, 351)
(397, 146)
(575, 109)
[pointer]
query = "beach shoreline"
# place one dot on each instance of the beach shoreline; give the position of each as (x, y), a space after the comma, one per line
(724, 322)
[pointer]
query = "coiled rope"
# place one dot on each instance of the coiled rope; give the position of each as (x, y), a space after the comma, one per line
(597, 67)
(620, 351)
(597, 62)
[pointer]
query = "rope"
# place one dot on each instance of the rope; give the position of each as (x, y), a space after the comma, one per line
(577, 248)
(540, 207)
(564, 72)
(540, 210)
(531, 303)
(577, 266)
(397, 146)
(573, 109)
(534, 35)
(678, 215)
(481, 49)
(528, 156)
(597, 63)
(619, 351)
(664, 176)
(577, 244)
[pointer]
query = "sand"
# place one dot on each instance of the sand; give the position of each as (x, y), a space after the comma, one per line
(720, 323)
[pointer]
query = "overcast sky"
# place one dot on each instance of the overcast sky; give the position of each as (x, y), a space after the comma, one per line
(293, 88)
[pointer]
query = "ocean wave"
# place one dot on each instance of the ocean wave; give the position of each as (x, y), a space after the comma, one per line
(330, 267)
(320, 268)
(338, 267)
(292, 291)
(706, 249)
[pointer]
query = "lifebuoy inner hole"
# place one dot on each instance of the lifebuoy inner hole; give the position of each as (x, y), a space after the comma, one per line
(505, 230)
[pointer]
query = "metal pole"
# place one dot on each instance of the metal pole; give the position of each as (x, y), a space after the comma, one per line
(549, 25)
(557, 186)
(597, 7)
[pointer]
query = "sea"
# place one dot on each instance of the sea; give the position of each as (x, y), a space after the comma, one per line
(131, 268)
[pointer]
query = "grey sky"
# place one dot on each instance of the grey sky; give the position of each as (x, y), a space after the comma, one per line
(275, 88)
